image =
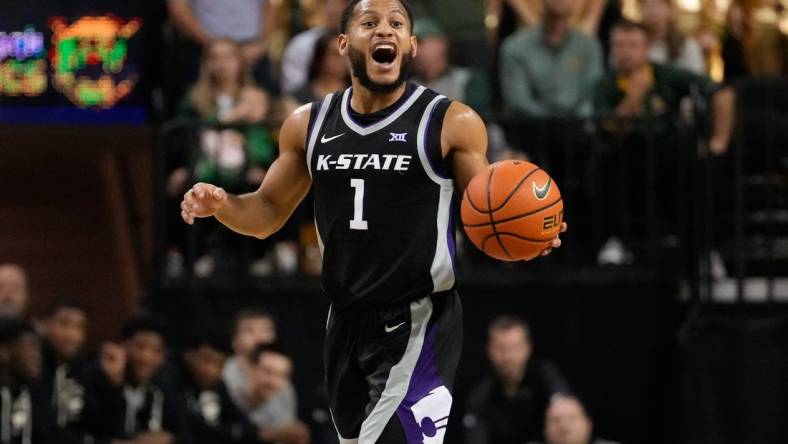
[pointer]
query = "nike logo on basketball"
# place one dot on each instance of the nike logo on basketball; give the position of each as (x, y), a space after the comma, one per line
(325, 139)
(541, 192)
(390, 329)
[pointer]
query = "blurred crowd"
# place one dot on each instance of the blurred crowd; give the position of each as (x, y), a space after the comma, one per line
(227, 387)
(238, 70)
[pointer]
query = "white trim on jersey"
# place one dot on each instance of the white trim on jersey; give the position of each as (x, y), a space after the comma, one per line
(316, 127)
(399, 375)
(442, 269)
(366, 130)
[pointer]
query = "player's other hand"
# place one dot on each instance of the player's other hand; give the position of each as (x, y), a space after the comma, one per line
(202, 200)
(555, 243)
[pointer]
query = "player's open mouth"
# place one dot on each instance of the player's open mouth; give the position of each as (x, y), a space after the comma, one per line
(384, 54)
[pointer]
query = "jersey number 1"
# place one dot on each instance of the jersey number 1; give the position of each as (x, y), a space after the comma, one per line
(358, 222)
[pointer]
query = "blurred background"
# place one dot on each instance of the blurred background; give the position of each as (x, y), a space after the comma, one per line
(662, 319)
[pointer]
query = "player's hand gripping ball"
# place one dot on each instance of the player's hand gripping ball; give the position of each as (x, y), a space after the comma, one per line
(512, 210)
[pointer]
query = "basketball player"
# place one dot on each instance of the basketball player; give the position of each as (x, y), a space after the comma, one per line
(384, 158)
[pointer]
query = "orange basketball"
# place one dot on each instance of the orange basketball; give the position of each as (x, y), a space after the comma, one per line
(512, 210)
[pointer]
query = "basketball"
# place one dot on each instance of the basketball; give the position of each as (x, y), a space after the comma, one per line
(512, 210)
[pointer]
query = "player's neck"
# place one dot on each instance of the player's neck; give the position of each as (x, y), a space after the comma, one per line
(365, 101)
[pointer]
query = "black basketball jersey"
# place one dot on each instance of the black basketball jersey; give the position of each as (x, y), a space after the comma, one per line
(383, 199)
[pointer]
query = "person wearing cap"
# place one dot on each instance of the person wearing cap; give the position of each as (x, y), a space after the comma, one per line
(433, 69)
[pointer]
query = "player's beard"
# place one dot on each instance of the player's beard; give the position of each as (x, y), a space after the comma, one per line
(358, 63)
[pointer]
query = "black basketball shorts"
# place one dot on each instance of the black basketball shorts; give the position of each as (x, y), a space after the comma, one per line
(390, 371)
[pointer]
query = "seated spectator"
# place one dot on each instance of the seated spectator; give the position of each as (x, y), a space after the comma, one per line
(13, 291)
(233, 158)
(128, 401)
(566, 422)
(66, 331)
(213, 417)
(250, 329)
(249, 23)
(299, 54)
(26, 417)
(668, 44)
(551, 69)
(328, 72)
(433, 69)
(508, 406)
(271, 402)
(637, 87)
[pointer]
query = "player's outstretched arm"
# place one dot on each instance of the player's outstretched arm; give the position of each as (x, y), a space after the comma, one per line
(264, 211)
(464, 141)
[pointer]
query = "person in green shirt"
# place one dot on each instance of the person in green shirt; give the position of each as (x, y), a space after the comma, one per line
(550, 70)
(636, 87)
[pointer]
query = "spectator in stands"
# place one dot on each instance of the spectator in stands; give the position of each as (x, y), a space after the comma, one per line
(668, 44)
(328, 72)
(213, 417)
(638, 87)
(234, 158)
(299, 53)
(509, 405)
(433, 69)
(551, 69)
(26, 416)
(66, 331)
(566, 422)
(128, 400)
(250, 329)
(13, 291)
(249, 23)
(271, 401)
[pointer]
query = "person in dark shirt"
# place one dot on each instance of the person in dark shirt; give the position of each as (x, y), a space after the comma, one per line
(508, 406)
(127, 399)
(64, 339)
(213, 416)
(26, 417)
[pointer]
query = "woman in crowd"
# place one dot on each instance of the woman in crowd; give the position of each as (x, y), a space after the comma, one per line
(233, 147)
(668, 44)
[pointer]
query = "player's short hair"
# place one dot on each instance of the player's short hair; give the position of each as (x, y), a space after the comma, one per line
(629, 26)
(66, 302)
(274, 347)
(250, 313)
(507, 322)
(144, 323)
(347, 14)
(208, 338)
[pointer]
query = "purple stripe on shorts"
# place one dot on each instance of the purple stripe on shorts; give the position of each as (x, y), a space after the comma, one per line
(423, 381)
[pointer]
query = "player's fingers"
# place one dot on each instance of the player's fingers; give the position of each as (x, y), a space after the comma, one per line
(219, 194)
(564, 226)
(545, 252)
(555, 243)
(200, 190)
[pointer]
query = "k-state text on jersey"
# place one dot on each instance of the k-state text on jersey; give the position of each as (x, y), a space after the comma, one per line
(396, 162)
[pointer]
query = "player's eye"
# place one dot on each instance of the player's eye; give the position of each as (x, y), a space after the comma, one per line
(396, 24)
(368, 24)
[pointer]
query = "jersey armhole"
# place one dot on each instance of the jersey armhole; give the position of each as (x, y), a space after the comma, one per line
(434, 130)
(314, 109)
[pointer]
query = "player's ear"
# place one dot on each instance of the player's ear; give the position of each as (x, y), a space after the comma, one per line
(414, 46)
(342, 44)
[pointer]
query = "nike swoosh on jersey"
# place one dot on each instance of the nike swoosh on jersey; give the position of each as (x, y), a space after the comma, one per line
(390, 329)
(541, 192)
(325, 139)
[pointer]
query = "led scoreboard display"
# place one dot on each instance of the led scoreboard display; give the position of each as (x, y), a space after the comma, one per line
(71, 61)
